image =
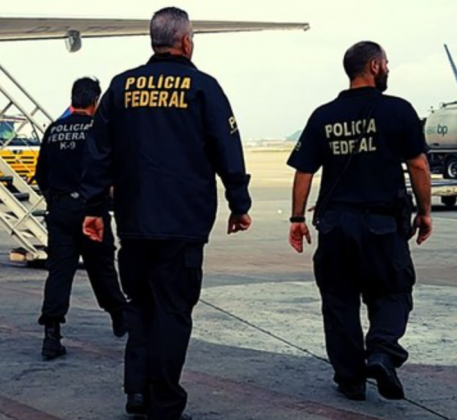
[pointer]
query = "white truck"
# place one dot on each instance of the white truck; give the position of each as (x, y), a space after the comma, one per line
(441, 134)
(440, 129)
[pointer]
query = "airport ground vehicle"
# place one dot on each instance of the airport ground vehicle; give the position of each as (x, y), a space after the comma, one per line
(18, 149)
(446, 189)
(440, 129)
(441, 134)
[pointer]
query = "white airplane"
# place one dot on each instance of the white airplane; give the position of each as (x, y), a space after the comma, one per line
(72, 30)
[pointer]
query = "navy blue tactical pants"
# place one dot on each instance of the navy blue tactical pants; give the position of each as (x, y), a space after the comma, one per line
(162, 280)
(361, 255)
(66, 244)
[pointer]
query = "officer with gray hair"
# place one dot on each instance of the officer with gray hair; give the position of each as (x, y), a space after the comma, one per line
(168, 27)
(163, 131)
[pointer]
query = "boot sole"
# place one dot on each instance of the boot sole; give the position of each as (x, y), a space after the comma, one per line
(388, 386)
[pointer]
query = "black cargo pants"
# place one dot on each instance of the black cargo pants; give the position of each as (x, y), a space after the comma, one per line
(162, 280)
(361, 255)
(66, 244)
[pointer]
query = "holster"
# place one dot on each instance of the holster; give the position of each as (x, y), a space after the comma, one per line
(403, 214)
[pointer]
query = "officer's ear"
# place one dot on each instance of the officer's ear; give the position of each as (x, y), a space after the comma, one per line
(374, 66)
(188, 45)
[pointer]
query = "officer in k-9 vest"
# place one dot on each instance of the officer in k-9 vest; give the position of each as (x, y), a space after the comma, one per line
(58, 175)
(360, 140)
(162, 133)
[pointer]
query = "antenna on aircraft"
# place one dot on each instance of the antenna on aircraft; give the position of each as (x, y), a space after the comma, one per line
(451, 61)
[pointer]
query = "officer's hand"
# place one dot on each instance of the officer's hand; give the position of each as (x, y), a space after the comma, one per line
(422, 224)
(297, 231)
(238, 222)
(93, 228)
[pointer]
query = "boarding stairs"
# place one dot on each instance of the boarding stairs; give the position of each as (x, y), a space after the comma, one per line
(22, 208)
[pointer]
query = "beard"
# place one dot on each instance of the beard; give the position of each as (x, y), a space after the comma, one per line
(381, 81)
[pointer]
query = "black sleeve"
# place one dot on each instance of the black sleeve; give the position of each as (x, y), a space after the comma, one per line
(308, 154)
(97, 176)
(42, 166)
(412, 142)
(226, 152)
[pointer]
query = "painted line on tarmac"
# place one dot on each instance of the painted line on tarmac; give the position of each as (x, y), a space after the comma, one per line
(18, 411)
(292, 310)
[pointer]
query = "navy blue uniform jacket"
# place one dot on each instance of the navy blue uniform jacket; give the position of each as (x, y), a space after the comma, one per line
(161, 134)
(59, 164)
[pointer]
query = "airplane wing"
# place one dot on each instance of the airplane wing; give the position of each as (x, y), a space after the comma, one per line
(27, 29)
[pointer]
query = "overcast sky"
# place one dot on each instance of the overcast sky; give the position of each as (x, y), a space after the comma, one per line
(274, 80)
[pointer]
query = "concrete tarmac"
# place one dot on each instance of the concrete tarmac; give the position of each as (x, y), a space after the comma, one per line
(257, 351)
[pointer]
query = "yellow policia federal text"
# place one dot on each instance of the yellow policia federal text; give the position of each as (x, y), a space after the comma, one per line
(156, 92)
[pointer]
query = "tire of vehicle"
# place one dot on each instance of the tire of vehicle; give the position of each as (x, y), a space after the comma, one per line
(450, 168)
(449, 201)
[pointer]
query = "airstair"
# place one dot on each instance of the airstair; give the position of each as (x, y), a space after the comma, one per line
(22, 208)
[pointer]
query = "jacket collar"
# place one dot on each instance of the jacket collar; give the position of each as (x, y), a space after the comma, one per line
(171, 58)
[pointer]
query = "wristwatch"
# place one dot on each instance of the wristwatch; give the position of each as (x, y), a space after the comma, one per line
(297, 219)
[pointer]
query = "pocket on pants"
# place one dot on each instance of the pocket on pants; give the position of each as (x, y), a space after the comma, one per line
(390, 255)
(327, 258)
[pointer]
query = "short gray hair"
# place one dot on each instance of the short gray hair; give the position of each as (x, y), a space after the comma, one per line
(168, 26)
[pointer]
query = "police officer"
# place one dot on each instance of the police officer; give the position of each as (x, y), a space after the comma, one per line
(360, 139)
(161, 134)
(58, 175)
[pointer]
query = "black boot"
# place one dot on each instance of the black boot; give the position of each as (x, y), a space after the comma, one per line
(52, 347)
(136, 404)
(380, 367)
(353, 390)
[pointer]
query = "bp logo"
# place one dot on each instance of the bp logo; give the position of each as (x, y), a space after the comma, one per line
(442, 130)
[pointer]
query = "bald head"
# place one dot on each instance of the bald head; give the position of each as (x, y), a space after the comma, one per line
(169, 28)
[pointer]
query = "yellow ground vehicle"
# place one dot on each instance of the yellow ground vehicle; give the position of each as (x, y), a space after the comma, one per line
(20, 151)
